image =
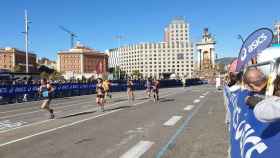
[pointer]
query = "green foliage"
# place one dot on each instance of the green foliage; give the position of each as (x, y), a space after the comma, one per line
(44, 75)
(18, 68)
(136, 74)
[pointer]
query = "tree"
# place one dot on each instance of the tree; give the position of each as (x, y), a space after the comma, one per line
(136, 74)
(18, 68)
(55, 75)
(44, 75)
(122, 75)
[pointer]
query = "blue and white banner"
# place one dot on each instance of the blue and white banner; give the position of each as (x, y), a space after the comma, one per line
(250, 138)
(255, 43)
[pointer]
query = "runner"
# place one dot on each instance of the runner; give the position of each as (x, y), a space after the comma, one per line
(106, 86)
(148, 87)
(46, 90)
(130, 90)
(100, 94)
(156, 90)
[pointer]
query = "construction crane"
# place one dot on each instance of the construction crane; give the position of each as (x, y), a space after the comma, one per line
(72, 35)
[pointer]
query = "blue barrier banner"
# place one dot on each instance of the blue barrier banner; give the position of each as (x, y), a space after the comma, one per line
(16, 92)
(250, 138)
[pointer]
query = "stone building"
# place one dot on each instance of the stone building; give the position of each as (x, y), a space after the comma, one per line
(174, 55)
(14, 60)
(82, 61)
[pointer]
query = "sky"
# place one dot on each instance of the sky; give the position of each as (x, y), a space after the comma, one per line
(97, 22)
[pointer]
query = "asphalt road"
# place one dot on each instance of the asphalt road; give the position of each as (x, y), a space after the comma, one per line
(186, 123)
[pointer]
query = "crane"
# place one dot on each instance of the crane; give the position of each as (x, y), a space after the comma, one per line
(72, 35)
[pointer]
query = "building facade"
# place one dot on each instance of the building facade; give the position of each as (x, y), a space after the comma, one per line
(14, 60)
(206, 51)
(48, 63)
(82, 61)
(172, 56)
(206, 56)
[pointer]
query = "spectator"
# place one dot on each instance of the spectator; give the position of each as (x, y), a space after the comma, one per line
(233, 78)
(267, 110)
(255, 80)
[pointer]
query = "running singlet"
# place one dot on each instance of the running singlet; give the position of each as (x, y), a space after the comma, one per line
(148, 84)
(156, 86)
(129, 86)
(99, 89)
(45, 92)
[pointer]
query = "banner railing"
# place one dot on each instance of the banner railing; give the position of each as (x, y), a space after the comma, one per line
(21, 93)
(250, 138)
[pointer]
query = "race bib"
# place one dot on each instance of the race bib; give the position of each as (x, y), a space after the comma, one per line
(45, 94)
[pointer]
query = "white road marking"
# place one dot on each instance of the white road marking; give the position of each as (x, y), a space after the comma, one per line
(172, 121)
(138, 150)
(201, 96)
(189, 107)
(7, 124)
(196, 101)
(27, 125)
(45, 121)
(60, 107)
(31, 112)
(54, 129)
(69, 125)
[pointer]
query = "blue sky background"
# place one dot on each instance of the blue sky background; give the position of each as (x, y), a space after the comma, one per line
(97, 21)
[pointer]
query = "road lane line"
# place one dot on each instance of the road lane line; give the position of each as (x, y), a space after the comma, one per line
(172, 121)
(45, 121)
(196, 101)
(41, 110)
(54, 129)
(189, 107)
(27, 125)
(61, 107)
(201, 96)
(71, 124)
(61, 101)
(138, 150)
(172, 140)
(56, 104)
(53, 105)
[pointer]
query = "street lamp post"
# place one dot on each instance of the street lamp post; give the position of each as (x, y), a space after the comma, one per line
(26, 40)
(119, 38)
(241, 38)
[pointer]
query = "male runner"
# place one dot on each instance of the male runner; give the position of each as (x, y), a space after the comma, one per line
(156, 90)
(46, 90)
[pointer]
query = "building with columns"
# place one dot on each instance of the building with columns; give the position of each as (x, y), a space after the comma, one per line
(154, 59)
(14, 60)
(82, 61)
(206, 52)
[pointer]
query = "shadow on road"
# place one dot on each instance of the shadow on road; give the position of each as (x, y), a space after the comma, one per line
(118, 100)
(116, 108)
(166, 100)
(78, 114)
(91, 112)
(143, 98)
